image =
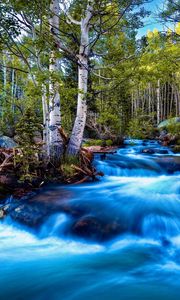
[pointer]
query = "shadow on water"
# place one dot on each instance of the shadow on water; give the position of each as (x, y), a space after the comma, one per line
(118, 238)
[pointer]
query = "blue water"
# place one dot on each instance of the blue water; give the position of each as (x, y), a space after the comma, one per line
(141, 262)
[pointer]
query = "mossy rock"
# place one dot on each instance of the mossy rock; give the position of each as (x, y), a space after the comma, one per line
(7, 142)
(176, 149)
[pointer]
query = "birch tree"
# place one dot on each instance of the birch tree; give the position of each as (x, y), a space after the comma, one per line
(158, 101)
(55, 140)
(83, 68)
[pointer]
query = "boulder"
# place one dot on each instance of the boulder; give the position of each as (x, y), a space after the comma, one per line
(28, 213)
(168, 122)
(163, 133)
(37, 139)
(170, 164)
(92, 228)
(162, 151)
(148, 151)
(7, 142)
(176, 149)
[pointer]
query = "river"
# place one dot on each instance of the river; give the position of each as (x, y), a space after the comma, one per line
(131, 252)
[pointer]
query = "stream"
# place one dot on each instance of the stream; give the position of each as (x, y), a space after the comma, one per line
(118, 238)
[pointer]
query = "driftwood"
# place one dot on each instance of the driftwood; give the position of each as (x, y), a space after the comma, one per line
(11, 164)
(86, 168)
(84, 171)
(6, 159)
(102, 150)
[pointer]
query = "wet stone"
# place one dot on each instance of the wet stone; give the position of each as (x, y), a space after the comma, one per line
(90, 227)
(148, 151)
(28, 214)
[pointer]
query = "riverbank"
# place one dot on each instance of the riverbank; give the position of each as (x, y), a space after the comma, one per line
(111, 238)
(32, 207)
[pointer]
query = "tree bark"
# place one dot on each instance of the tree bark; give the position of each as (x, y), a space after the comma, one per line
(4, 86)
(45, 121)
(80, 121)
(158, 101)
(55, 140)
(149, 98)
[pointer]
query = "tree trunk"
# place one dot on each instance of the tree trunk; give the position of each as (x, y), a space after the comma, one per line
(80, 121)
(149, 98)
(132, 105)
(158, 101)
(55, 140)
(12, 90)
(45, 121)
(4, 86)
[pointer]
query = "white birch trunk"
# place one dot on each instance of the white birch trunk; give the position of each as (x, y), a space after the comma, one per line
(158, 101)
(132, 104)
(80, 121)
(45, 121)
(172, 99)
(55, 140)
(149, 98)
(165, 100)
(4, 85)
(12, 90)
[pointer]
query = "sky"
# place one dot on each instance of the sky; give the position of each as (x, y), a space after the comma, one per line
(151, 22)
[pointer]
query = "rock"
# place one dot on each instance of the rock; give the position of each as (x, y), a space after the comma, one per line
(8, 180)
(168, 122)
(88, 227)
(37, 138)
(95, 229)
(167, 139)
(153, 151)
(27, 213)
(170, 164)
(162, 151)
(148, 151)
(176, 149)
(163, 133)
(7, 142)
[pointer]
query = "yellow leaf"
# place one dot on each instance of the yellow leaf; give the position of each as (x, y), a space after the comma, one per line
(149, 34)
(177, 28)
(155, 32)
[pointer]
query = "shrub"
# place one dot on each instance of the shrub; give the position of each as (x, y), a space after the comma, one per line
(140, 128)
(90, 143)
(67, 166)
(28, 161)
(109, 143)
(173, 128)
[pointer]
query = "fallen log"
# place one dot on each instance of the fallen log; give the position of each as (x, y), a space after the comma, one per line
(101, 150)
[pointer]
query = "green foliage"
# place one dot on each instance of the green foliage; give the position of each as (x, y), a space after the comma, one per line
(173, 128)
(28, 160)
(67, 164)
(125, 67)
(92, 142)
(140, 127)
(111, 120)
(109, 143)
(176, 149)
(170, 11)
(101, 143)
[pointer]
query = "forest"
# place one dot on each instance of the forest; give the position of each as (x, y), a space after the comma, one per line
(90, 149)
(75, 71)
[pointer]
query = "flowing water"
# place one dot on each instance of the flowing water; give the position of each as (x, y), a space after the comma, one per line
(140, 196)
